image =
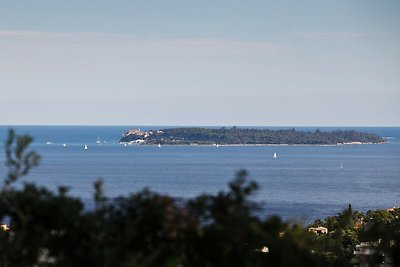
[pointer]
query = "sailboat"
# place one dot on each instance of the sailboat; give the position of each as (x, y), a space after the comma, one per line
(64, 145)
(86, 147)
(274, 156)
(159, 145)
(98, 139)
(217, 145)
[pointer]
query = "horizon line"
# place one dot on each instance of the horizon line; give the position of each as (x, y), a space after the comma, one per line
(191, 125)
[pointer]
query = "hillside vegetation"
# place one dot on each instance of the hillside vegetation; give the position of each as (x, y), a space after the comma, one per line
(243, 136)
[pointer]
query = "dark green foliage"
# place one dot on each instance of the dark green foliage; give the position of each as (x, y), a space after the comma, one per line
(380, 229)
(18, 161)
(148, 229)
(383, 228)
(237, 135)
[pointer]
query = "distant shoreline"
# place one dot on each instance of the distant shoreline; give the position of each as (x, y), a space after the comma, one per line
(250, 145)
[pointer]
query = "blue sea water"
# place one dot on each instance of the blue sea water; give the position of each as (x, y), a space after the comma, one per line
(304, 182)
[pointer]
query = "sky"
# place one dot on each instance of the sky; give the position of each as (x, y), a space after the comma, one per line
(182, 62)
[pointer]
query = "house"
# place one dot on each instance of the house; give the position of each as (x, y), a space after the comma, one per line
(4, 227)
(134, 132)
(318, 230)
(359, 224)
(369, 252)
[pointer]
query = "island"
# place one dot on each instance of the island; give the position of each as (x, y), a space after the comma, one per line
(246, 136)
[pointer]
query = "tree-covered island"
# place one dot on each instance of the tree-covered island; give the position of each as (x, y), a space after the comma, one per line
(246, 136)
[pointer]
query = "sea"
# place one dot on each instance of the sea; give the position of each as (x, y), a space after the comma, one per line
(303, 183)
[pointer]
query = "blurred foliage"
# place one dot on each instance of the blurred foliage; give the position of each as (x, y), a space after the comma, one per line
(149, 229)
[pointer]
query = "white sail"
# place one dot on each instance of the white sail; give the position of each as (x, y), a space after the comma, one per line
(86, 147)
(274, 156)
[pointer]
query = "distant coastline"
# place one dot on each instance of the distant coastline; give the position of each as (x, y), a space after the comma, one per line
(247, 137)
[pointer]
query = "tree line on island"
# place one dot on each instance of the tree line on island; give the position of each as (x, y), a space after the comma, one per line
(245, 136)
(46, 228)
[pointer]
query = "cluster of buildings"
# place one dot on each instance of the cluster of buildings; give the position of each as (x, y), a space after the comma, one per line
(136, 136)
(366, 252)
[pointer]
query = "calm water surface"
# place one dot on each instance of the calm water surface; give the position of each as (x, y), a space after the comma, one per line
(305, 182)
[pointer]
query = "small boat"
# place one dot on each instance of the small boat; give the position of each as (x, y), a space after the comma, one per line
(98, 139)
(159, 145)
(274, 156)
(48, 143)
(64, 145)
(217, 145)
(125, 144)
(86, 147)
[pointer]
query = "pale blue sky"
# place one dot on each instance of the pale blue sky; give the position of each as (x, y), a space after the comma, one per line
(200, 62)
